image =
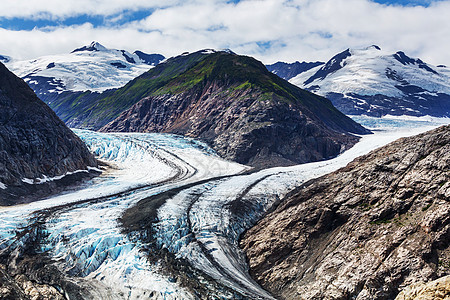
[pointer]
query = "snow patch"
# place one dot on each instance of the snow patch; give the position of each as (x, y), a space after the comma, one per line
(45, 178)
(2, 186)
(208, 51)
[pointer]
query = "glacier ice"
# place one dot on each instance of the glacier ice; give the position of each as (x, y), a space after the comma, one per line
(201, 223)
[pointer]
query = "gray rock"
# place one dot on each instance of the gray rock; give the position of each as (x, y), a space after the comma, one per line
(34, 142)
(363, 232)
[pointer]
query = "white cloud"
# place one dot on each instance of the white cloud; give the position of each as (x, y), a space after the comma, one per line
(296, 29)
(57, 9)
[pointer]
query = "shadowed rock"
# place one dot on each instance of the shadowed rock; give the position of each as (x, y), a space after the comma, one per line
(34, 142)
(363, 232)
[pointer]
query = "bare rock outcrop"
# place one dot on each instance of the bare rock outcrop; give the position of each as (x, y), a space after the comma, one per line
(365, 231)
(34, 142)
(438, 289)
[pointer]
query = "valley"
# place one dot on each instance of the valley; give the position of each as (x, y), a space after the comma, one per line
(208, 176)
(192, 208)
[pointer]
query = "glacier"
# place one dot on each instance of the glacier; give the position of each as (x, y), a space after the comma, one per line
(214, 203)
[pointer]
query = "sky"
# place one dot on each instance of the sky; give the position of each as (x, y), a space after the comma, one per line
(270, 30)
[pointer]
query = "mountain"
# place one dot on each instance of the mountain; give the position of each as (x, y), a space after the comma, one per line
(290, 70)
(92, 67)
(363, 232)
(375, 83)
(94, 110)
(36, 147)
(4, 59)
(232, 102)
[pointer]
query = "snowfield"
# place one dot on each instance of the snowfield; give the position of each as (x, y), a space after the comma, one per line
(200, 224)
(364, 72)
(96, 69)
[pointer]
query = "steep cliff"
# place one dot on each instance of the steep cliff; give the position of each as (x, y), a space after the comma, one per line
(35, 145)
(363, 232)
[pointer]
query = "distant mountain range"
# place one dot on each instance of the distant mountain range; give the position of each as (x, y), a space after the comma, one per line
(372, 82)
(246, 113)
(358, 81)
(92, 67)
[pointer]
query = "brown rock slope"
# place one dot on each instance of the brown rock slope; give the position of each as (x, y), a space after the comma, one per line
(363, 232)
(438, 289)
(34, 142)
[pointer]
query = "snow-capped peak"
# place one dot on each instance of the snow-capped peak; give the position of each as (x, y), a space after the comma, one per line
(377, 81)
(91, 67)
(94, 46)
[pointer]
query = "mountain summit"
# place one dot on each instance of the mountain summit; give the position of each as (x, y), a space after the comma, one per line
(246, 113)
(372, 82)
(92, 67)
(94, 46)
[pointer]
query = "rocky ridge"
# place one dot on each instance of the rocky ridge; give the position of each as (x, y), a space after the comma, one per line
(365, 231)
(244, 112)
(35, 145)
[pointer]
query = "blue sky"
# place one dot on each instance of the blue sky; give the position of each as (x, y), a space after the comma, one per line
(128, 15)
(424, 3)
(270, 30)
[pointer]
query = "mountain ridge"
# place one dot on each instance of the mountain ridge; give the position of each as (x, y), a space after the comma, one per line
(376, 83)
(91, 67)
(218, 99)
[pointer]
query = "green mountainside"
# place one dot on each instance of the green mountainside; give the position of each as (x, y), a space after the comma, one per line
(93, 110)
(236, 105)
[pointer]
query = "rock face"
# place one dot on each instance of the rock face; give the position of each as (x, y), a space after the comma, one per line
(363, 232)
(34, 142)
(244, 112)
(437, 290)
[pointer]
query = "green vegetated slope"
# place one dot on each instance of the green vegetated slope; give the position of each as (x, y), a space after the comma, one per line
(93, 110)
(236, 105)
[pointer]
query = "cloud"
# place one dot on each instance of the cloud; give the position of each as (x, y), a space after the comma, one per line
(270, 30)
(57, 9)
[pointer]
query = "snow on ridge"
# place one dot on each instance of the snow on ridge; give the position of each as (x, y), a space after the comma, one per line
(46, 179)
(84, 70)
(2, 186)
(364, 72)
